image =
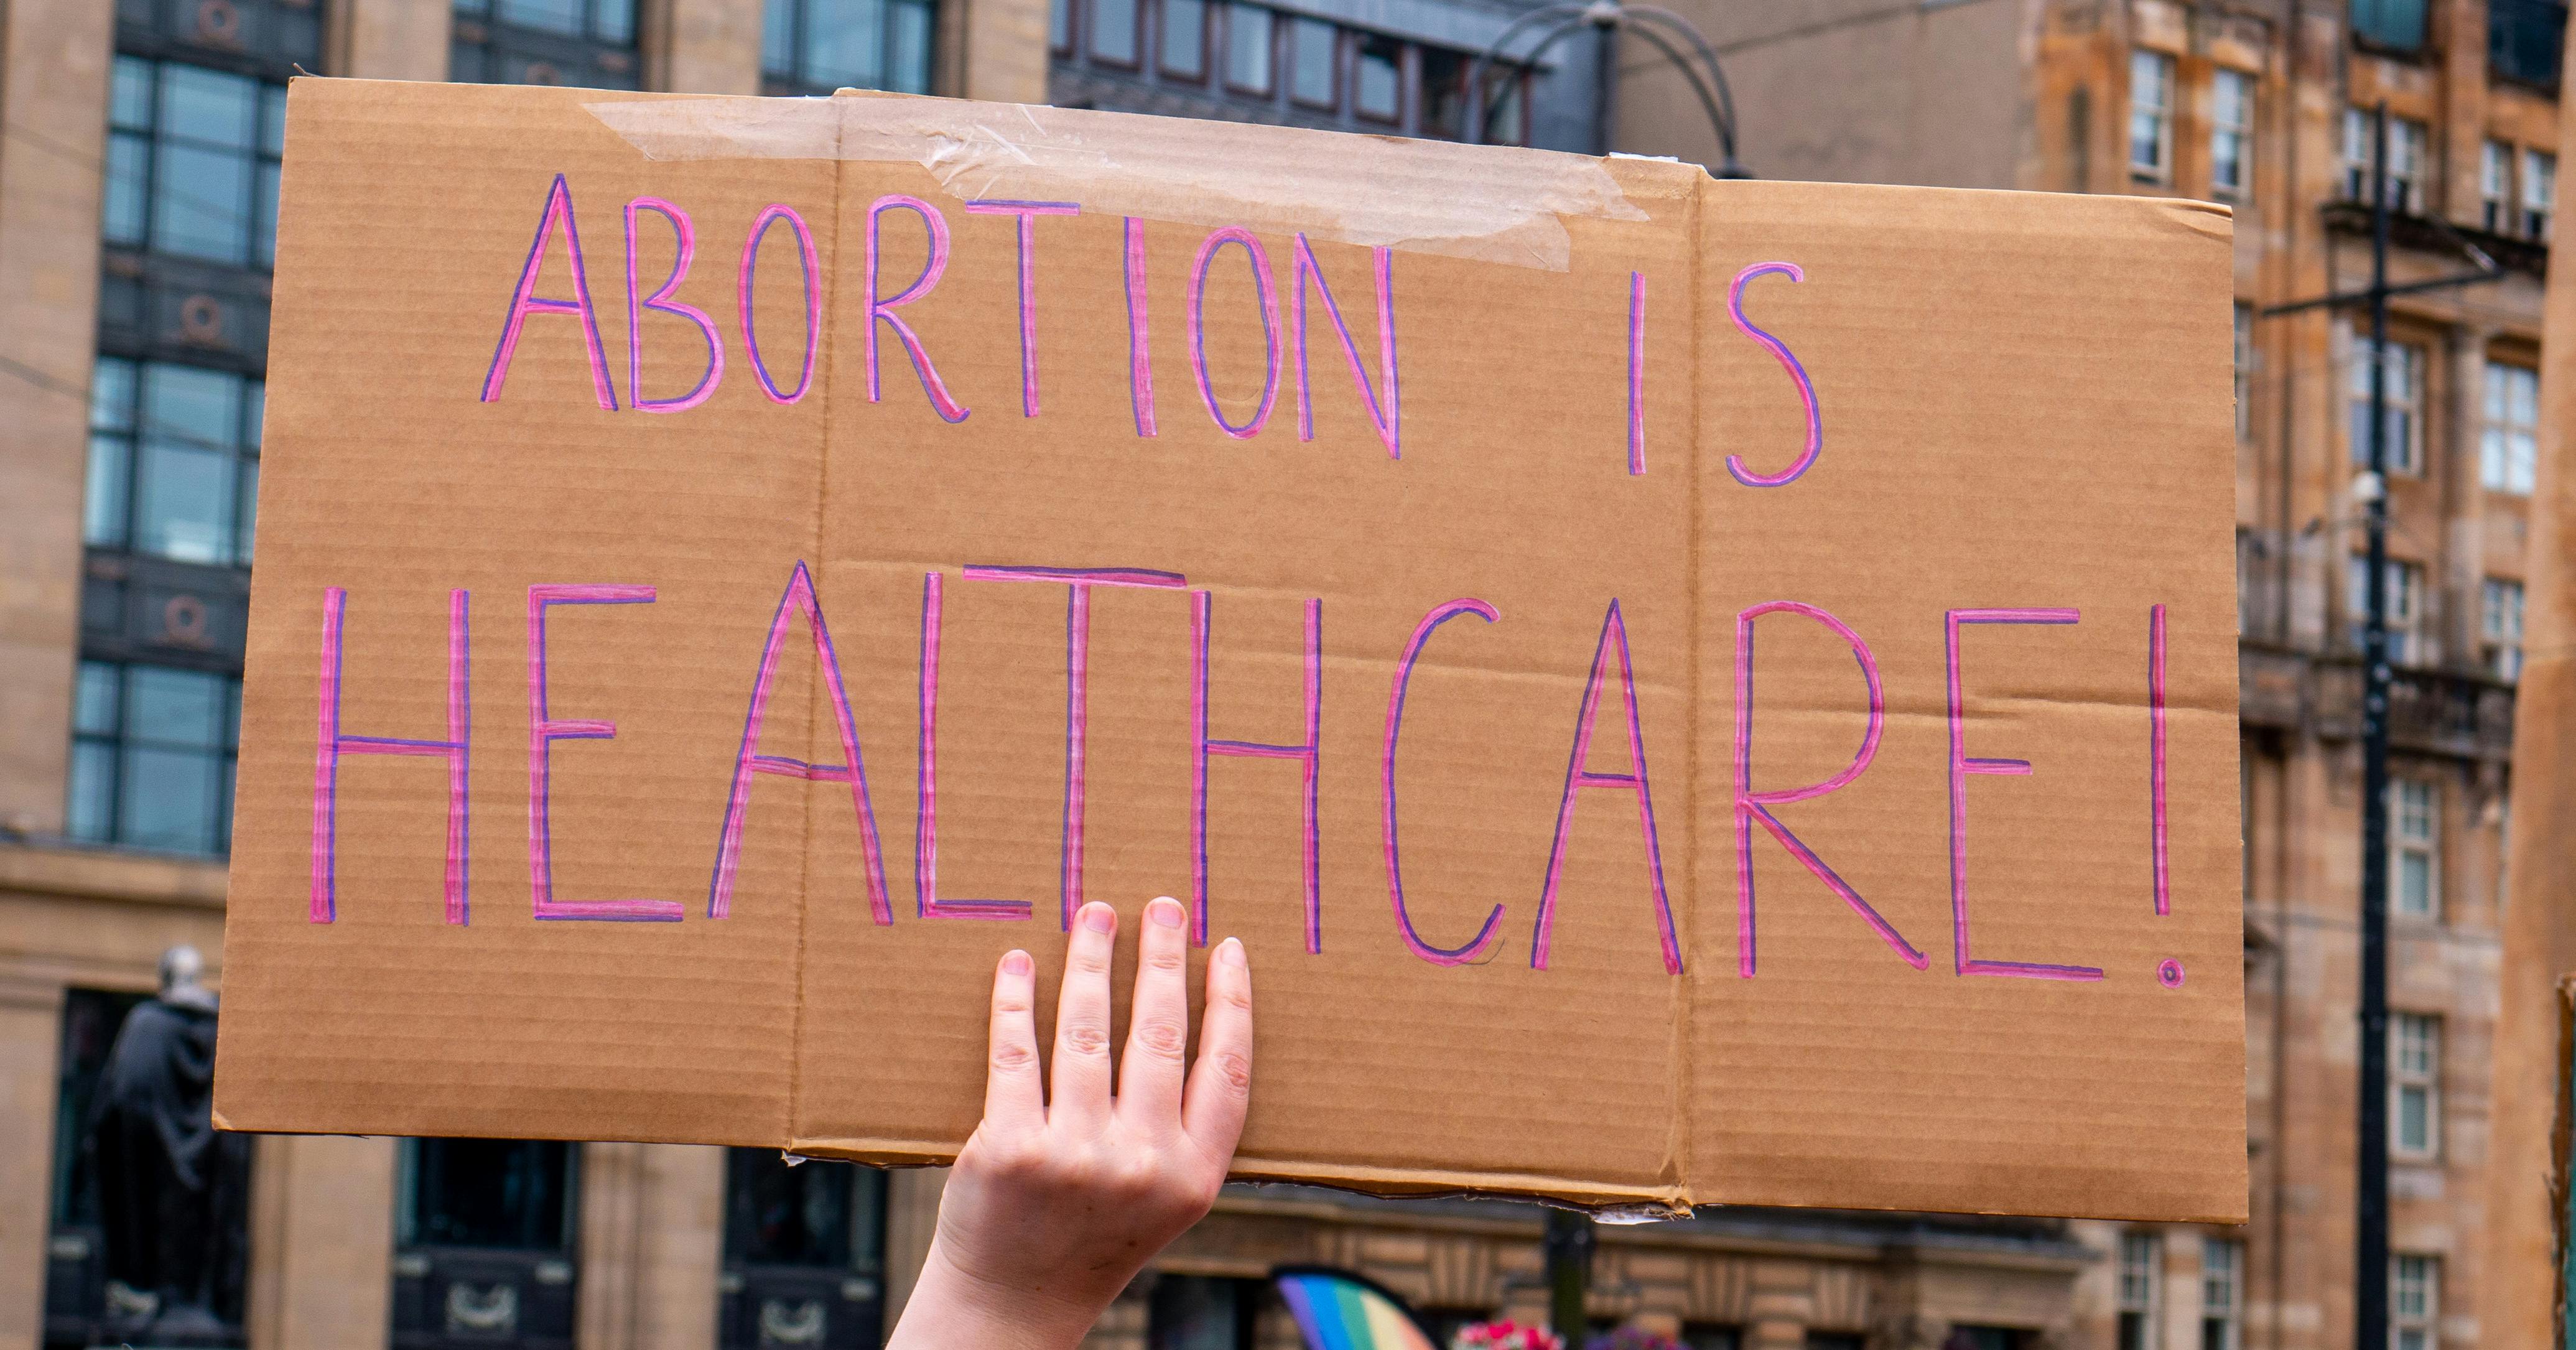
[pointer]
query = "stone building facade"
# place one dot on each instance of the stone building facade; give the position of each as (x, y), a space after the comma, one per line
(2268, 106)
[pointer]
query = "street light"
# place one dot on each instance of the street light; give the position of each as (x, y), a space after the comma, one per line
(1655, 25)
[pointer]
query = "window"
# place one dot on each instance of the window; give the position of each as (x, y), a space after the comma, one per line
(2414, 1302)
(2231, 132)
(173, 461)
(590, 43)
(2244, 371)
(1115, 31)
(804, 1253)
(2524, 39)
(2222, 1294)
(1314, 70)
(2401, 387)
(2500, 627)
(1379, 79)
(192, 162)
(2508, 442)
(2495, 186)
(2539, 192)
(1059, 26)
(2142, 1260)
(152, 757)
(1716, 1336)
(1201, 1312)
(485, 1242)
(1184, 39)
(2394, 24)
(2406, 142)
(506, 1194)
(817, 46)
(1248, 44)
(2414, 836)
(2151, 116)
(2405, 588)
(2414, 1085)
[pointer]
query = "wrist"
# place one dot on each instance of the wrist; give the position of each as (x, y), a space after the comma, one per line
(954, 1308)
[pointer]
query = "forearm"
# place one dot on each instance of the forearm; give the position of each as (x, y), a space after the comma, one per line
(952, 1310)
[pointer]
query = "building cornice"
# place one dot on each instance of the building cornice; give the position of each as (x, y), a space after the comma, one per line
(112, 874)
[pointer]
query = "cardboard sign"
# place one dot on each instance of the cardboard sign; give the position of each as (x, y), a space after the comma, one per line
(1690, 691)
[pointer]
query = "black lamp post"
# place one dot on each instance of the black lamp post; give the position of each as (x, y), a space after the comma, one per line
(1656, 26)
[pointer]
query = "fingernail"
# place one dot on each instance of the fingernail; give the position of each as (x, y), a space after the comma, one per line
(1164, 911)
(1099, 918)
(1017, 963)
(1230, 951)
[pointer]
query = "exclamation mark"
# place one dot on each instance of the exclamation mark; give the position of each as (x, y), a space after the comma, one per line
(2169, 971)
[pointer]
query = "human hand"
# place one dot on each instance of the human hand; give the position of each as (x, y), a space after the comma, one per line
(1055, 1205)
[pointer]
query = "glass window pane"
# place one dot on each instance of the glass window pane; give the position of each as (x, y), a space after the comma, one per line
(1444, 93)
(168, 799)
(465, 63)
(1247, 48)
(844, 42)
(1381, 87)
(254, 411)
(111, 394)
(272, 120)
(2414, 1116)
(504, 1193)
(91, 807)
(184, 502)
(778, 1215)
(249, 528)
(551, 16)
(186, 403)
(908, 64)
(613, 21)
(263, 243)
(111, 467)
(94, 699)
(1113, 30)
(778, 39)
(129, 171)
(201, 203)
(1185, 38)
(1311, 73)
(1059, 24)
(171, 707)
(2415, 884)
(129, 100)
(209, 107)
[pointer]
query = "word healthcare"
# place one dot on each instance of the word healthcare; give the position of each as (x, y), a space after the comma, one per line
(1689, 692)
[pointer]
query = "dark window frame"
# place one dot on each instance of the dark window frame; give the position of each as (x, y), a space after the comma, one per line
(112, 742)
(799, 77)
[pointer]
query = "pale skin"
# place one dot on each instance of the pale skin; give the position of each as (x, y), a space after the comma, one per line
(1061, 1196)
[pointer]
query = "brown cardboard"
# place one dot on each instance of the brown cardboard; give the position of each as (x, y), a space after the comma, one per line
(2023, 404)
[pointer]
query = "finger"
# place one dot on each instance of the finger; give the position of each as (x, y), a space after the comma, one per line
(1082, 1021)
(1158, 1023)
(1221, 1081)
(1014, 1099)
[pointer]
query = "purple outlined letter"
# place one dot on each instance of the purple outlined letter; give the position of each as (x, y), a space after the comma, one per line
(1077, 686)
(1140, 364)
(1577, 778)
(525, 301)
(1752, 806)
(1388, 417)
(1486, 936)
(660, 301)
(1788, 362)
(748, 760)
(771, 215)
(1307, 753)
(543, 732)
(883, 310)
(1960, 767)
(1636, 373)
(2156, 756)
(331, 743)
(1027, 212)
(1252, 250)
(925, 828)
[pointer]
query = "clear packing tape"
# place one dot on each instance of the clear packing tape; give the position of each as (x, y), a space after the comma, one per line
(1499, 204)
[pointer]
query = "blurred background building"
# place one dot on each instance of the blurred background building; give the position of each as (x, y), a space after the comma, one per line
(138, 173)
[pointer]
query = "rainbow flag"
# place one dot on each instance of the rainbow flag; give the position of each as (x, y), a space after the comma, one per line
(1340, 1311)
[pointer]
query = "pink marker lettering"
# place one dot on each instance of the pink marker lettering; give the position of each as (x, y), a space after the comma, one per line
(771, 215)
(1027, 212)
(1388, 418)
(1577, 778)
(1636, 373)
(1483, 942)
(1252, 250)
(1077, 684)
(882, 310)
(525, 301)
(1752, 806)
(331, 743)
(1140, 366)
(799, 599)
(2156, 755)
(1307, 753)
(660, 301)
(543, 732)
(1961, 765)
(1788, 362)
(925, 831)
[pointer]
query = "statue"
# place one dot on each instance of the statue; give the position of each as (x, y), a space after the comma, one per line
(173, 1192)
